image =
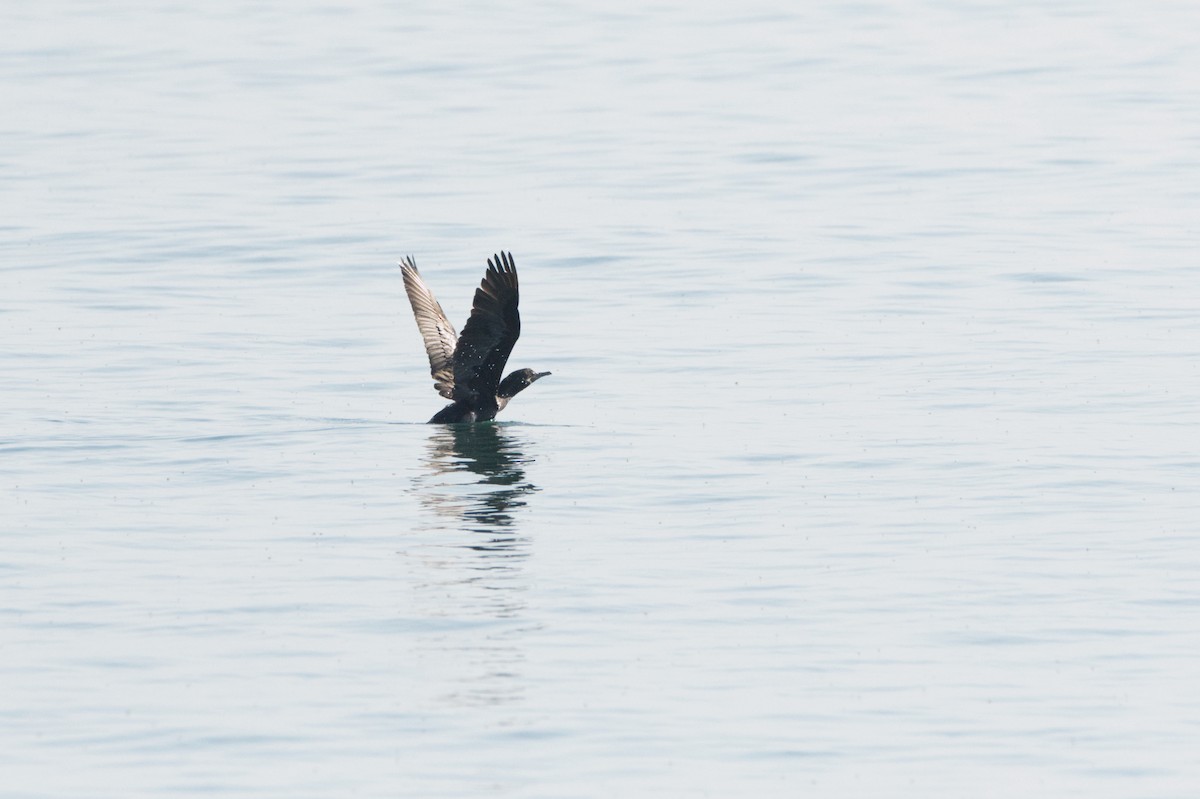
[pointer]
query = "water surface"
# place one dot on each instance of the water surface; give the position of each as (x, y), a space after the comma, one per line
(867, 466)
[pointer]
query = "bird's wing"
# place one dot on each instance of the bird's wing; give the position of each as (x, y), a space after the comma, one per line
(439, 335)
(489, 335)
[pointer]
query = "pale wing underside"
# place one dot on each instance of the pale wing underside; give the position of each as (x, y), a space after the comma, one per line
(436, 330)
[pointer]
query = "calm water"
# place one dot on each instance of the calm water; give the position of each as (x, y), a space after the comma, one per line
(867, 467)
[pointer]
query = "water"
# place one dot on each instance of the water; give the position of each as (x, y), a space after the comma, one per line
(867, 466)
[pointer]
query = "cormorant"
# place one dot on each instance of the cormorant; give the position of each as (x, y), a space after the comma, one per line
(467, 368)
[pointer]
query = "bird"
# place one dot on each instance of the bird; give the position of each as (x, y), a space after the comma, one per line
(467, 368)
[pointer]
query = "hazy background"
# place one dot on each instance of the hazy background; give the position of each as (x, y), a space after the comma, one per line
(867, 466)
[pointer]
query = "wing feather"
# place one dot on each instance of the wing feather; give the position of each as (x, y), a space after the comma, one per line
(489, 335)
(436, 330)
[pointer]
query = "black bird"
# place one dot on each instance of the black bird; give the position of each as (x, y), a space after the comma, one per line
(467, 368)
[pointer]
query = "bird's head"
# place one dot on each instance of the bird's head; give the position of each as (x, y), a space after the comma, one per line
(517, 382)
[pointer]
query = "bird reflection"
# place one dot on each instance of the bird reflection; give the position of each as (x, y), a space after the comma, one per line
(478, 476)
(475, 484)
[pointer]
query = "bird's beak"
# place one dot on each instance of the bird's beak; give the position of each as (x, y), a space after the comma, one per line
(539, 375)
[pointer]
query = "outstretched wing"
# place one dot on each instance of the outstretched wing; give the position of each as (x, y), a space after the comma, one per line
(489, 335)
(439, 335)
